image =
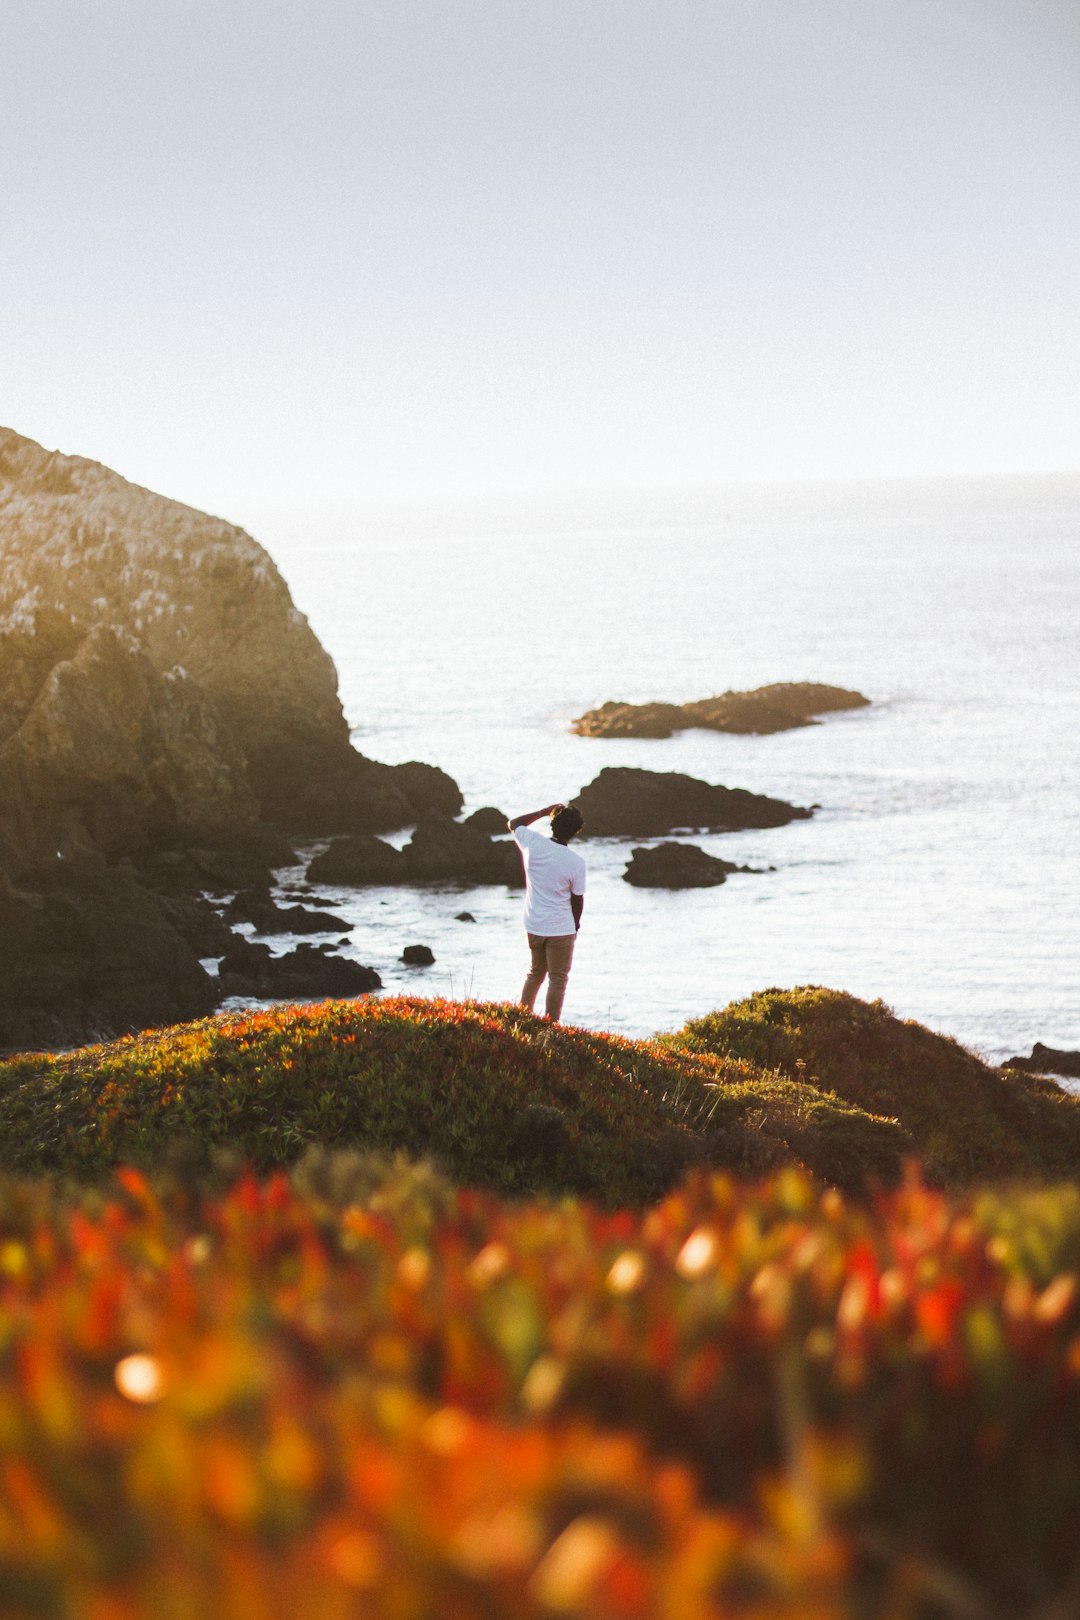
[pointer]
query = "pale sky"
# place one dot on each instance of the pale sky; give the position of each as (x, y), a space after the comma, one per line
(317, 255)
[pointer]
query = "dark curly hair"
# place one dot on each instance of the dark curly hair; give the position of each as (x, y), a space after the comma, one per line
(566, 822)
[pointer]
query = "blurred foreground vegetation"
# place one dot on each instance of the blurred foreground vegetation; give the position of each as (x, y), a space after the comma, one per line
(436, 1311)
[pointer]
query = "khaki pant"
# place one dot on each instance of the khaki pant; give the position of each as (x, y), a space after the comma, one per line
(552, 955)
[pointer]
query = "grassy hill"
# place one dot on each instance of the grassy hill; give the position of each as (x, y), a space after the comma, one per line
(967, 1121)
(499, 1099)
(495, 1097)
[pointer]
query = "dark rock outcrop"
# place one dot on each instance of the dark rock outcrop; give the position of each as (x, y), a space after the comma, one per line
(314, 970)
(258, 906)
(627, 803)
(86, 951)
(439, 851)
(779, 707)
(251, 969)
(359, 860)
(418, 956)
(445, 851)
(180, 871)
(1047, 1060)
(363, 796)
(488, 820)
(676, 866)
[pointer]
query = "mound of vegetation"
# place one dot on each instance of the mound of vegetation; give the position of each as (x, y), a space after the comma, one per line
(496, 1097)
(363, 1392)
(968, 1122)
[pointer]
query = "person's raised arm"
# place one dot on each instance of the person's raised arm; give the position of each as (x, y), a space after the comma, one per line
(534, 815)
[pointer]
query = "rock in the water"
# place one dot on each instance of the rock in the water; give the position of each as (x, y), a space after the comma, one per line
(676, 866)
(358, 860)
(250, 969)
(779, 707)
(243, 967)
(257, 906)
(627, 803)
(418, 955)
(464, 916)
(488, 820)
(445, 851)
(311, 971)
(299, 920)
(1047, 1060)
(440, 851)
(614, 719)
(364, 796)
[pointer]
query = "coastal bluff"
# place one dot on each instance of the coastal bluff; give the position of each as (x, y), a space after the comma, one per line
(168, 722)
(224, 659)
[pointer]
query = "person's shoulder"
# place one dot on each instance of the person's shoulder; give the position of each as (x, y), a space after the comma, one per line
(526, 835)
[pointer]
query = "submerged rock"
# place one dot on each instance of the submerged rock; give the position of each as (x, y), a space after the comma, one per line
(623, 802)
(766, 709)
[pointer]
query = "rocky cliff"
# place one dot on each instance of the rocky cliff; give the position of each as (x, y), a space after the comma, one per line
(209, 633)
(166, 716)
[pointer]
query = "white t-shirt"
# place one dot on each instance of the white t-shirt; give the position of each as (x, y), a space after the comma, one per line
(552, 874)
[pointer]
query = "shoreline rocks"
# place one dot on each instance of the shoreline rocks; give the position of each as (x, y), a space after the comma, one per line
(625, 802)
(259, 907)
(488, 820)
(251, 969)
(677, 866)
(439, 851)
(783, 706)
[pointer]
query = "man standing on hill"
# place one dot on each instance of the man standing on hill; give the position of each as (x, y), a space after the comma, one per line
(554, 900)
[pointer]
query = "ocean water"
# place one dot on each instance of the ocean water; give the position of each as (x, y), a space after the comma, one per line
(941, 871)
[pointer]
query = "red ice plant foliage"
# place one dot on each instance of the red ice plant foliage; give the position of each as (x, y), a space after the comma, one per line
(402, 1398)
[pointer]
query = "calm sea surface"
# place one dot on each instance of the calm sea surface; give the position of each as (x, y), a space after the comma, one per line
(942, 871)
